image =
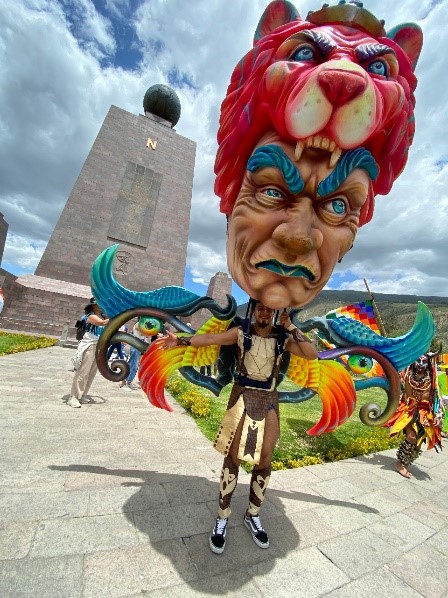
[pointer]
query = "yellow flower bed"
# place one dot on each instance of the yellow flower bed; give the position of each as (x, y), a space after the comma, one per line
(16, 343)
(192, 400)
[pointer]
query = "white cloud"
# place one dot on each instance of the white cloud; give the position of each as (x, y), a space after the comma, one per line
(55, 92)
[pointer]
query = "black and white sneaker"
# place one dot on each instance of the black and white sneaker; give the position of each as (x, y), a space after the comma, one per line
(259, 536)
(217, 539)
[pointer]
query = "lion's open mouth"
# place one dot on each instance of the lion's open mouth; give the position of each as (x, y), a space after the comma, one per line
(319, 142)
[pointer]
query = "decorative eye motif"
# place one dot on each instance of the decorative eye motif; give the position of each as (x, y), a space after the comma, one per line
(378, 67)
(360, 364)
(304, 54)
(150, 326)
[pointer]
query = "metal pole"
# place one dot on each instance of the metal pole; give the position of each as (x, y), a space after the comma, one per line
(375, 307)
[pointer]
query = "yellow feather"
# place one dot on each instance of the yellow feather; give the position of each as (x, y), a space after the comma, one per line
(197, 356)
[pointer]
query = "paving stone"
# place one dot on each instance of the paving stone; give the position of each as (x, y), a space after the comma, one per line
(384, 502)
(429, 513)
(292, 501)
(21, 507)
(401, 531)
(338, 488)
(16, 538)
(127, 499)
(439, 542)
(312, 575)
(83, 535)
(358, 552)
(424, 569)
(165, 523)
(137, 570)
(239, 585)
(349, 518)
(367, 481)
(378, 583)
(49, 578)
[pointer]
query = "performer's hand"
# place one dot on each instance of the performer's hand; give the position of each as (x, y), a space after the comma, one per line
(285, 320)
(169, 340)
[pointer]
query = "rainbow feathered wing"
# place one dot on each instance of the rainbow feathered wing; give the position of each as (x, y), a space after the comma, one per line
(328, 379)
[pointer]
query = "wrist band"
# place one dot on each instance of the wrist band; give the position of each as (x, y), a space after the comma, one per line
(299, 337)
(291, 328)
(183, 341)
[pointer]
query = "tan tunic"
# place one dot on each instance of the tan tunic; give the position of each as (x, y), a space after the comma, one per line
(252, 404)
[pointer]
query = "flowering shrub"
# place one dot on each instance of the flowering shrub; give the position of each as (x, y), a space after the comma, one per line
(363, 446)
(192, 400)
(16, 343)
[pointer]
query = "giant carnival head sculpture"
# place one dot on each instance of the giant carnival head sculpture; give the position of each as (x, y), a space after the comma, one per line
(317, 120)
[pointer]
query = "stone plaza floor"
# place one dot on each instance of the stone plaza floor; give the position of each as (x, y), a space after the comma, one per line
(118, 499)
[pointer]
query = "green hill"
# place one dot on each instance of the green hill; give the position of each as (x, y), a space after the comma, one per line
(397, 311)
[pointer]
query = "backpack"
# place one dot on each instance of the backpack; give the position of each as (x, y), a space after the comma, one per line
(80, 326)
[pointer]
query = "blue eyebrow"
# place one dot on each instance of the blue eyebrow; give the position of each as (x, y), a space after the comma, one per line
(358, 158)
(272, 155)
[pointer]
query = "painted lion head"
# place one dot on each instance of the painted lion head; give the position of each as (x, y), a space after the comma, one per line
(334, 82)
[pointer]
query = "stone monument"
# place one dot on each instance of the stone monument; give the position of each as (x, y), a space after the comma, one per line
(219, 287)
(3, 232)
(134, 189)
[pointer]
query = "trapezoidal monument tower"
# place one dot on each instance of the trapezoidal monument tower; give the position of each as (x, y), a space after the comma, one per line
(134, 189)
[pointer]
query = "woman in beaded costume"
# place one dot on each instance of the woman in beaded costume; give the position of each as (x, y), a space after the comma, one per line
(419, 415)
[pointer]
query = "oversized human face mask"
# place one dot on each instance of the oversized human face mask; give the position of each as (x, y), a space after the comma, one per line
(293, 221)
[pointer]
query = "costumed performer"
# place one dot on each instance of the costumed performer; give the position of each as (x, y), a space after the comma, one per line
(85, 362)
(419, 415)
(250, 428)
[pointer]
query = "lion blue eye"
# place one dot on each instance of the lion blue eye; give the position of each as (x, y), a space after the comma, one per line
(304, 53)
(274, 193)
(378, 67)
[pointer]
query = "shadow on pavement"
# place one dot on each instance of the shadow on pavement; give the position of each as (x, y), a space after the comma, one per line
(188, 496)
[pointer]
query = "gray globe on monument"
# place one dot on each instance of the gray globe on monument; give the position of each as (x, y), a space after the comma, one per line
(164, 102)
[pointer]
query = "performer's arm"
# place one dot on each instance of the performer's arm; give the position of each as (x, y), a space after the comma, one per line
(298, 343)
(229, 337)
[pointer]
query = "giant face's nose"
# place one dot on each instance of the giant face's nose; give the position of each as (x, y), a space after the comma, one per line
(297, 235)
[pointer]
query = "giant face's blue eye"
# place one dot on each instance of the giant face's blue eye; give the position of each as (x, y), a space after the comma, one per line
(273, 192)
(378, 67)
(304, 54)
(338, 206)
(335, 206)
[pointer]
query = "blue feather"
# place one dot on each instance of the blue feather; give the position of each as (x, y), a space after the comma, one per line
(402, 350)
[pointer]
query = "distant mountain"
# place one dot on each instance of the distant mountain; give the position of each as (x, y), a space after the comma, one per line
(397, 312)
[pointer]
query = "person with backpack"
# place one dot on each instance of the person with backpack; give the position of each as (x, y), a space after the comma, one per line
(84, 360)
(250, 428)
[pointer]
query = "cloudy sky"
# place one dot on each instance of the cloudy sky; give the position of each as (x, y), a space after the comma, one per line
(63, 63)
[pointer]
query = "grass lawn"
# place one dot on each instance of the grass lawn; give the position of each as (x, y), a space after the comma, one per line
(295, 448)
(16, 343)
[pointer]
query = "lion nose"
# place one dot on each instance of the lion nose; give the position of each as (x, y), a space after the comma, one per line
(341, 86)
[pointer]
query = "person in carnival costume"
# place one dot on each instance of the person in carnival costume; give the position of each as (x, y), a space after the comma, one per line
(420, 413)
(250, 428)
(317, 121)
